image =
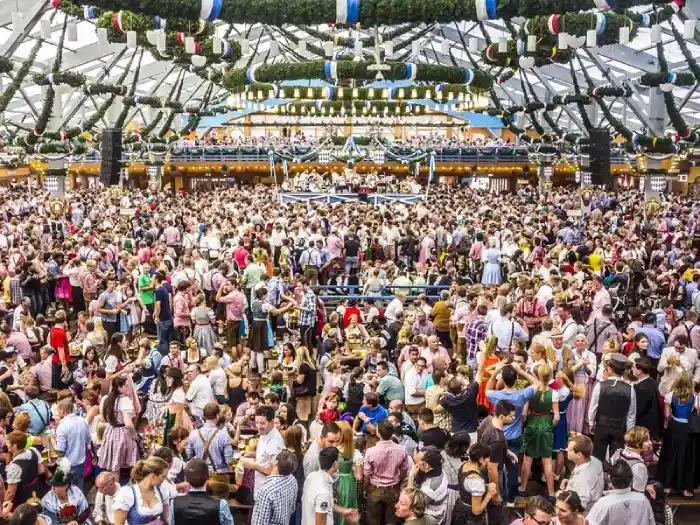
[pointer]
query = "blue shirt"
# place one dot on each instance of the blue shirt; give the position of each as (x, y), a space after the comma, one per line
(39, 414)
(72, 438)
(220, 449)
(689, 290)
(225, 517)
(656, 340)
(506, 331)
(374, 416)
(162, 295)
(518, 398)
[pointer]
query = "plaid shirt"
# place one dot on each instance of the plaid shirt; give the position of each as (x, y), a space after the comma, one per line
(15, 291)
(475, 333)
(307, 314)
(275, 501)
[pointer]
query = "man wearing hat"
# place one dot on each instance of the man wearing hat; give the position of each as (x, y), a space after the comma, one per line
(613, 408)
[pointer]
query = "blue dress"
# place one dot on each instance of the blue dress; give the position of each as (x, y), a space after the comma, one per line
(561, 431)
(678, 458)
(492, 268)
(135, 518)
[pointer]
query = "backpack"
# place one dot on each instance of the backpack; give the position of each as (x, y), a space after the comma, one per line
(356, 393)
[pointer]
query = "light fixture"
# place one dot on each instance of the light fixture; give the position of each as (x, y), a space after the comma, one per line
(532, 43)
(216, 45)
(624, 34)
(502, 45)
(591, 38)
(189, 45)
(131, 39)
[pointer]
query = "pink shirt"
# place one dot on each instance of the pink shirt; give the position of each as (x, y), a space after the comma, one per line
(41, 372)
(171, 235)
(235, 305)
(334, 247)
(21, 343)
(429, 356)
(240, 255)
(181, 309)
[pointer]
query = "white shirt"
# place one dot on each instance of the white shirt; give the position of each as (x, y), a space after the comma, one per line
(124, 500)
(414, 384)
(392, 310)
(217, 379)
(199, 394)
(317, 498)
(588, 482)
(269, 446)
(104, 508)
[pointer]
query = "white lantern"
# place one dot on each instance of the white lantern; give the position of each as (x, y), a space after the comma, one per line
(655, 34)
(189, 44)
(102, 38)
(358, 48)
(666, 88)
(131, 39)
(17, 22)
(198, 60)
(576, 41)
(591, 38)
(72, 31)
(46, 29)
(527, 62)
(162, 42)
(689, 28)
(532, 43)
(301, 46)
(152, 37)
(624, 35)
(502, 45)
(216, 46)
(388, 48)
(563, 40)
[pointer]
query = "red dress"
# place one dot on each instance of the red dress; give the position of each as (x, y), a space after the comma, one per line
(481, 398)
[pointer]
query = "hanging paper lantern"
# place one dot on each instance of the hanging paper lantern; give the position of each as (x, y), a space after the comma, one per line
(591, 38)
(131, 39)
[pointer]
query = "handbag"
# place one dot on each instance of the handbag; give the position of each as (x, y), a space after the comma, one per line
(300, 391)
(694, 422)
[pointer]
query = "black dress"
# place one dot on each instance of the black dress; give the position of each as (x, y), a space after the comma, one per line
(678, 456)
(462, 513)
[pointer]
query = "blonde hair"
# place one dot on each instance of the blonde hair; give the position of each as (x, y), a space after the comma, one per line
(418, 501)
(21, 422)
(304, 357)
(683, 387)
(636, 437)
(148, 466)
(347, 440)
(567, 377)
(490, 345)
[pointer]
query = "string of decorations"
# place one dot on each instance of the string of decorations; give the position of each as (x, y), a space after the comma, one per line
(352, 12)
(677, 121)
(333, 71)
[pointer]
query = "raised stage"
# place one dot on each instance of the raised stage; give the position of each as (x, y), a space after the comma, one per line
(340, 198)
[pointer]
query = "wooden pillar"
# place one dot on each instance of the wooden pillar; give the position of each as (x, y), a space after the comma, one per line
(247, 130)
(448, 132)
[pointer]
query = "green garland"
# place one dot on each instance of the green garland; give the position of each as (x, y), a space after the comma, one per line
(545, 114)
(154, 102)
(543, 56)
(687, 54)
(533, 117)
(662, 77)
(319, 108)
(609, 91)
(10, 91)
(261, 92)
(74, 80)
(371, 12)
(347, 70)
(577, 24)
(175, 51)
(104, 89)
(169, 119)
(559, 100)
(119, 123)
(677, 121)
(579, 103)
(145, 132)
(6, 65)
(367, 41)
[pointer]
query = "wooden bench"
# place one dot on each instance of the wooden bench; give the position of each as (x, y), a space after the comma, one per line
(234, 505)
(676, 503)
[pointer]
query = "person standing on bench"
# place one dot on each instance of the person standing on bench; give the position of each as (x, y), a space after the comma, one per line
(613, 409)
(197, 507)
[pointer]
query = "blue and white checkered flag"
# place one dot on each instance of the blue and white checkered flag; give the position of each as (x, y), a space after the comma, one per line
(324, 157)
(379, 157)
(51, 184)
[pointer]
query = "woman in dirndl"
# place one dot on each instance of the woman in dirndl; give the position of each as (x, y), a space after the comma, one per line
(178, 444)
(175, 409)
(260, 337)
(203, 318)
(120, 448)
(143, 501)
(584, 368)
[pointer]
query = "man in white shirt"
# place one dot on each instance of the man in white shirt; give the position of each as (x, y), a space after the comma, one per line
(587, 478)
(107, 486)
(317, 505)
(270, 443)
(394, 307)
(414, 383)
(200, 392)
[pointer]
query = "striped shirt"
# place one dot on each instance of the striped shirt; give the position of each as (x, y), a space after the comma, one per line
(386, 464)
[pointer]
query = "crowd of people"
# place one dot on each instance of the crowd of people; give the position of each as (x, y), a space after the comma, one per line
(432, 364)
